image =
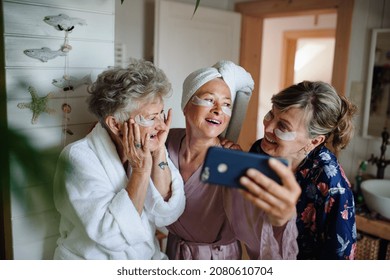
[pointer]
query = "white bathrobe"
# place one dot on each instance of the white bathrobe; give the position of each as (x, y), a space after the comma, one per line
(98, 219)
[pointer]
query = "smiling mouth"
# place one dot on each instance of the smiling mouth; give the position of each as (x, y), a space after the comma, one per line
(269, 139)
(213, 121)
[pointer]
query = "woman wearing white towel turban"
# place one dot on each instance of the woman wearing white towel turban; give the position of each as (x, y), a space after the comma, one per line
(121, 184)
(216, 219)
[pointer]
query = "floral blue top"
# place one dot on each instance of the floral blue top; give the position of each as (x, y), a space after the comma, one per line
(326, 208)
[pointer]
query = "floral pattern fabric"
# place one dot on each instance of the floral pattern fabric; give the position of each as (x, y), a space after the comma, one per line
(326, 208)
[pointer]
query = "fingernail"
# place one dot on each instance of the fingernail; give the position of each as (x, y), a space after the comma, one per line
(251, 172)
(272, 161)
(244, 180)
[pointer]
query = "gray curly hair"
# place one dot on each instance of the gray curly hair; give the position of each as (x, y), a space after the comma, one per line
(119, 91)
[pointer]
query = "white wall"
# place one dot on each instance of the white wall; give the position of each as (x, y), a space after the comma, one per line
(129, 27)
(34, 219)
(316, 65)
(134, 21)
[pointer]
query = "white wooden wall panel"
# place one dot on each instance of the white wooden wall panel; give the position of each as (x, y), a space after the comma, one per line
(184, 44)
(84, 53)
(104, 6)
(40, 250)
(34, 219)
(46, 137)
(31, 200)
(26, 232)
(17, 21)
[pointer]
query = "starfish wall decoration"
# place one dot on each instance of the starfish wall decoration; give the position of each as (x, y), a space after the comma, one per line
(37, 105)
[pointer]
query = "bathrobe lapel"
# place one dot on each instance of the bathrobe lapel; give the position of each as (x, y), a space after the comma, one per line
(105, 150)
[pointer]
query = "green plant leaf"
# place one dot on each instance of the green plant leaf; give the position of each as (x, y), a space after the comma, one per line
(30, 165)
(196, 6)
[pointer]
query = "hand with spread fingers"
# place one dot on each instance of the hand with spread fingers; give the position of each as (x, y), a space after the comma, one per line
(136, 149)
(275, 200)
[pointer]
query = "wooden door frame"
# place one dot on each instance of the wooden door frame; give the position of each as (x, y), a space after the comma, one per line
(290, 39)
(253, 15)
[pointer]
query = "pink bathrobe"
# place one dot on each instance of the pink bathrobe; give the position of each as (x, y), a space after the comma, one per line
(216, 218)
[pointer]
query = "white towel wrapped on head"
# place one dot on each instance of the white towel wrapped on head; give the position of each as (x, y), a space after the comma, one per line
(195, 80)
(240, 83)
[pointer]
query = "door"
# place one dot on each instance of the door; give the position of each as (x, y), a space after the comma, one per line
(184, 43)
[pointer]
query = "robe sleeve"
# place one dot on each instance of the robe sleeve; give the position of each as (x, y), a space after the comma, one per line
(252, 227)
(278, 243)
(166, 212)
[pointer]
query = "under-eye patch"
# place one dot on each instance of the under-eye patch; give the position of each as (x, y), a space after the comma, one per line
(207, 103)
(286, 136)
(201, 102)
(142, 121)
(227, 110)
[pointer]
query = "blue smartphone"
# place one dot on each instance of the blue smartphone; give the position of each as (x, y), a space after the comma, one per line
(226, 166)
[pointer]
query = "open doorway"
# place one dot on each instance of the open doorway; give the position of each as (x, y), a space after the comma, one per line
(253, 16)
(307, 55)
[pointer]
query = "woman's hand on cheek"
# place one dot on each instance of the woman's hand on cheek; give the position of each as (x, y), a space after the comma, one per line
(277, 201)
(135, 148)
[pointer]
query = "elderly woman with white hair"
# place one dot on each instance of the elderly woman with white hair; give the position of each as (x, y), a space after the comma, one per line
(216, 219)
(120, 184)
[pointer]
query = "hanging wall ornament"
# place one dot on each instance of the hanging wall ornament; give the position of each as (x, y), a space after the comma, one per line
(44, 54)
(66, 109)
(67, 82)
(63, 22)
(37, 105)
(71, 83)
